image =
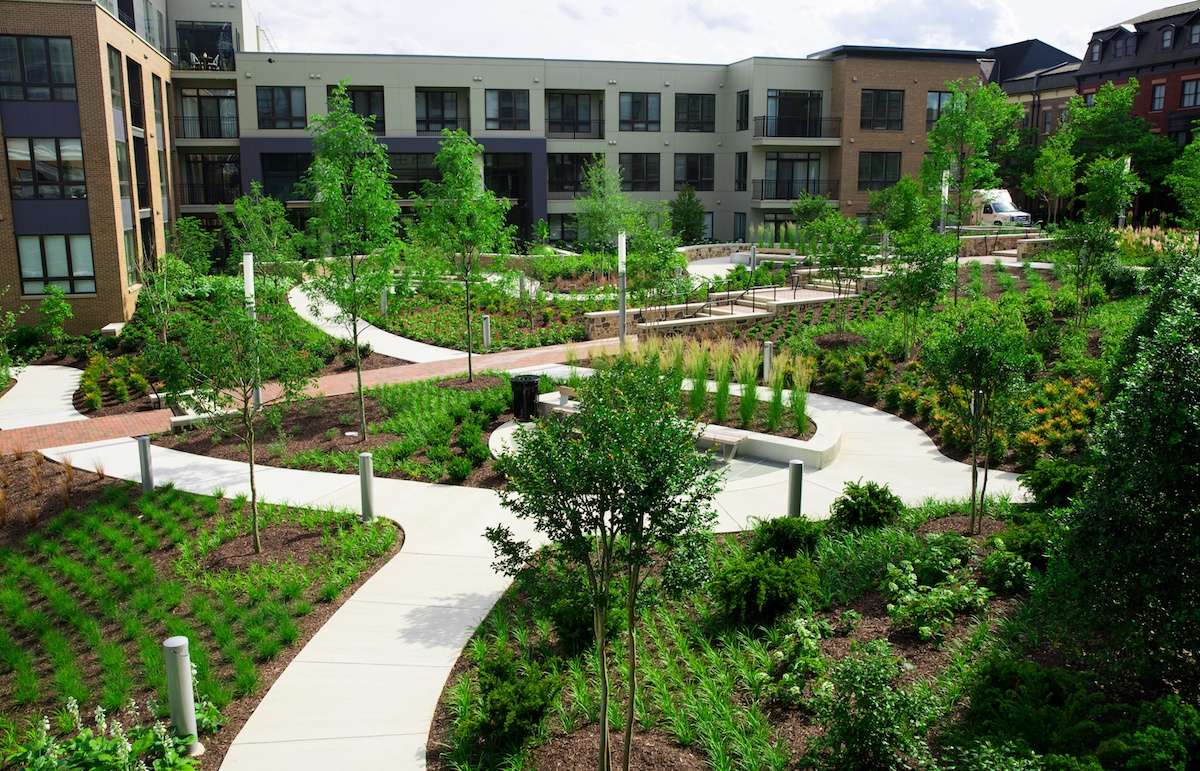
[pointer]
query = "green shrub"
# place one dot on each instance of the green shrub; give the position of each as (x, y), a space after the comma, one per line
(513, 695)
(1006, 572)
(478, 454)
(796, 659)
(458, 469)
(942, 555)
(1055, 481)
(929, 611)
(561, 594)
(865, 504)
(786, 536)
(870, 724)
(758, 589)
(1033, 535)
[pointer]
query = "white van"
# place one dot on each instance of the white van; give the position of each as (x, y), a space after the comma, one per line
(995, 207)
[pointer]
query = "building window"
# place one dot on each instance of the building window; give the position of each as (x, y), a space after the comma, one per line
(1089, 99)
(935, 102)
(694, 169)
(438, 110)
(1047, 121)
(1194, 35)
(695, 112)
(569, 115)
(208, 113)
(281, 107)
(741, 170)
(366, 101)
(507, 175)
(1158, 96)
(131, 258)
(743, 110)
(1168, 37)
(708, 226)
(639, 172)
(211, 178)
(281, 172)
(881, 110)
(563, 227)
(410, 171)
(739, 226)
(640, 111)
(506, 109)
(204, 45)
(160, 139)
(878, 170)
(46, 168)
(36, 68)
(1096, 51)
(64, 262)
(1125, 46)
(565, 172)
(1191, 94)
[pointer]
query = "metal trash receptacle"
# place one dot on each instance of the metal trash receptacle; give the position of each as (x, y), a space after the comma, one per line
(525, 394)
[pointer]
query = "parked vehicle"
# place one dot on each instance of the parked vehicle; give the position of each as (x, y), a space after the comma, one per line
(995, 207)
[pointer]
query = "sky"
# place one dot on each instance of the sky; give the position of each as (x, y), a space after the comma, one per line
(717, 31)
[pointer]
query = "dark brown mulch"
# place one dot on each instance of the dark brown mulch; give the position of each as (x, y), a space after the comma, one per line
(481, 383)
(582, 283)
(298, 543)
(375, 361)
(112, 406)
(33, 490)
(835, 340)
(958, 523)
(651, 750)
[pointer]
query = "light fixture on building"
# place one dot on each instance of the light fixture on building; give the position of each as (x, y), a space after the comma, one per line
(477, 78)
(612, 82)
(667, 85)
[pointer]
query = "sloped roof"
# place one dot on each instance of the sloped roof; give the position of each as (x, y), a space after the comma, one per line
(1162, 13)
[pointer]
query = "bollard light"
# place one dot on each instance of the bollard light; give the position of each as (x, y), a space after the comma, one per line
(248, 281)
(383, 301)
(768, 360)
(179, 691)
(795, 486)
(366, 485)
(621, 287)
(487, 332)
(143, 443)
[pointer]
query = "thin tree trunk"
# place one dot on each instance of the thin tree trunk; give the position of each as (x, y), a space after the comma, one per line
(631, 661)
(470, 366)
(362, 400)
(248, 416)
(987, 461)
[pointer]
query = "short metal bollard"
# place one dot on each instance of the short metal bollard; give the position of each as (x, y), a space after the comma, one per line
(795, 486)
(179, 691)
(487, 332)
(768, 360)
(366, 484)
(383, 301)
(144, 459)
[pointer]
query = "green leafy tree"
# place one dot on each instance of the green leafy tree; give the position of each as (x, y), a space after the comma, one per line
(1111, 127)
(902, 207)
(1091, 252)
(979, 355)
(1184, 181)
(192, 243)
(164, 286)
(687, 216)
(258, 224)
(1054, 169)
(8, 322)
(609, 487)
(918, 275)
(459, 217)
(221, 356)
(975, 126)
(355, 213)
(54, 311)
(1109, 187)
(604, 211)
(808, 207)
(842, 249)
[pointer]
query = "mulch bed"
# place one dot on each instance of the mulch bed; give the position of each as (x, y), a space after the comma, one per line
(481, 383)
(298, 543)
(577, 751)
(34, 489)
(835, 340)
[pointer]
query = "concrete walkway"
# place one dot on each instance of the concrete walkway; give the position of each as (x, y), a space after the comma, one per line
(42, 394)
(381, 340)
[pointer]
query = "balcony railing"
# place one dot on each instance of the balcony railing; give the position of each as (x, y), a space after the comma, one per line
(570, 128)
(565, 193)
(435, 125)
(783, 126)
(211, 61)
(790, 189)
(208, 193)
(202, 127)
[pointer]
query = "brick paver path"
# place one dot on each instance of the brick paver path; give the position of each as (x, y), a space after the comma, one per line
(80, 431)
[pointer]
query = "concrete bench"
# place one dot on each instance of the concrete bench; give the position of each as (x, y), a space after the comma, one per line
(728, 439)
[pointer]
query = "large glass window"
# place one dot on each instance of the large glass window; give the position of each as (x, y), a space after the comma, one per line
(437, 110)
(1191, 94)
(132, 268)
(743, 110)
(695, 112)
(739, 226)
(204, 45)
(64, 262)
(741, 170)
(574, 115)
(935, 102)
(116, 94)
(565, 172)
(160, 138)
(640, 111)
(1158, 96)
(409, 170)
(640, 172)
(366, 101)
(878, 170)
(694, 169)
(792, 114)
(208, 113)
(36, 68)
(211, 178)
(882, 110)
(1125, 45)
(1194, 35)
(506, 109)
(281, 107)
(46, 168)
(281, 173)
(563, 227)
(790, 174)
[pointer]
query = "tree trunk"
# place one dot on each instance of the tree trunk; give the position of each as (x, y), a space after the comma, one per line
(600, 621)
(987, 461)
(248, 416)
(470, 366)
(631, 661)
(362, 400)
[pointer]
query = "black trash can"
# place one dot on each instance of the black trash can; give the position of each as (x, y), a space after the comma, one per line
(525, 394)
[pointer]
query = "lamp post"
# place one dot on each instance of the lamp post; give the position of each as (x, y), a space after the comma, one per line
(945, 199)
(248, 280)
(621, 289)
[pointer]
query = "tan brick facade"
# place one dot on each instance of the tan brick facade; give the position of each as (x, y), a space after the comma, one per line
(916, 77)
(91, 30)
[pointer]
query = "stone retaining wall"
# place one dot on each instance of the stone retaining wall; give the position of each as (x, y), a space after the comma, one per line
(709, 251)
(1027, 247)
(601, 324)
(705, 327)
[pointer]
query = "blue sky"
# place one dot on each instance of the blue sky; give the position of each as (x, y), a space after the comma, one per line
(719, 31)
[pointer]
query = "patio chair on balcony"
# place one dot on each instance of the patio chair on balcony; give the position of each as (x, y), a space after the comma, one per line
(194, 61)
(215, 64)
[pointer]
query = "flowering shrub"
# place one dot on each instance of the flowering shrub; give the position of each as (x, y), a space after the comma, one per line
(1145, 246)
(1062, 413)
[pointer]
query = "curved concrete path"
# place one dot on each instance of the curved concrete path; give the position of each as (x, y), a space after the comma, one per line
(42, 394)
(381, 340)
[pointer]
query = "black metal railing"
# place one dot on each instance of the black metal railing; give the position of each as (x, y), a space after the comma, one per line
(565, 192)
(436, 125)
(571, 128)
(784, 126)
(208, 193)
(789, 189)
(127, 19)
(191, 59)
(206, 127)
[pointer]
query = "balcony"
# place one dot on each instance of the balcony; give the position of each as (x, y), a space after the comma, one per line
(791, 189)
(201, 61)
(434, 126)
(565, 192)
(206, 127)
(208, 193)
(799, 127)
(570, 128)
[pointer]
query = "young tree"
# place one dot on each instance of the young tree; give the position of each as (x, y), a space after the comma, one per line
(841, 248)
(163, 287)
(258, 224)
(603, 208)
(610, 486)
(979, 354)
(1109, 187)
(192, 243)
(223, 356)
(354, 212)
(902, 207)
(808, 207)
(8, 322)
(687, 216)
(1053, 177)
(1111, 127)
(54, 311)
(918, 275)
(1091, 251)
(459, 217)
(1184, 181)
(975, 125)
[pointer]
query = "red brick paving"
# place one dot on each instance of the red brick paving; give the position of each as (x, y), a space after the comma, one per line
(80, 431)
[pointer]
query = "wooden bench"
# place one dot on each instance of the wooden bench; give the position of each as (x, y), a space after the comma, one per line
(567, 400)
(728, 439)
